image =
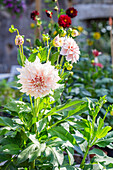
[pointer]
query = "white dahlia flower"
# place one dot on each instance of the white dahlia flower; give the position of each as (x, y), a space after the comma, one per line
(70, 49)
(38, 79)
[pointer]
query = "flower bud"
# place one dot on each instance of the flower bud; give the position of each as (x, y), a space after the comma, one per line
(19, 40)
(69, 67)
(63, 33)
(58, 66)
(56, 8)
(45, 37)
(74, 33)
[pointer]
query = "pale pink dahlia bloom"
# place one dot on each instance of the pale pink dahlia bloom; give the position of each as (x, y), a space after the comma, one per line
(58, 41)
(38, 79)
(70, 49)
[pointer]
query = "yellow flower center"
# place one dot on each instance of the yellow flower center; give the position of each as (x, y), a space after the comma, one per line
(71, 11)
(65, 20)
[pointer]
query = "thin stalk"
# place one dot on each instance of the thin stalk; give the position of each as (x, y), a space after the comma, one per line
(47, 42)
(49, 53)
(58, 7)
(58, 56)
(93, 124)
(32, 165)
(31, 102)
(84, 158)
(17, 31)
(22, 55)
(62, 72)
(37, 104)
(62, 59)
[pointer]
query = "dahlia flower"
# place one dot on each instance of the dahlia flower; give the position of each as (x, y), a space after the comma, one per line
(34, 14)
(96, 35)
(38, 79)
(64, 21)
(98, 64)
(57, 41)
(49, 13)
(71, 12)
(70, 49)
(96, 53)
(19, 40)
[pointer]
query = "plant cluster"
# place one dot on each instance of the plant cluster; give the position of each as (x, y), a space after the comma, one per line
(49, 129)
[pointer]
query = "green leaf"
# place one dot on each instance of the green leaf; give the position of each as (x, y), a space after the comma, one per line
(17, 106)
(97, 152)
(32, 57)
(41, 124)
(62, 133)
(43, 54)
(4, 157)
(37, 152)
(103, 132)
(33, 139)
(54, 57)
(68, 106)
(25, 154)
(10, 149)
(38, 42)
(5, 121)
(58, 155)
(70, 157)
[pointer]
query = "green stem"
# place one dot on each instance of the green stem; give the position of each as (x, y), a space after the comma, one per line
(22, 55)
(32, 165)
(37, 104)
(17, 31)
(62, 72)
(58, 56)
(84, 158)
(92, 132)
(31, 102)
(62, 59)
(49, 53)
(47, 42)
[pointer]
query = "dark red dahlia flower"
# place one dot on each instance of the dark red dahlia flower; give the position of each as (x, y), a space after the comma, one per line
(96, 53)
(71, 12)
(34, 14)
(49, 13)
(64, 21)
